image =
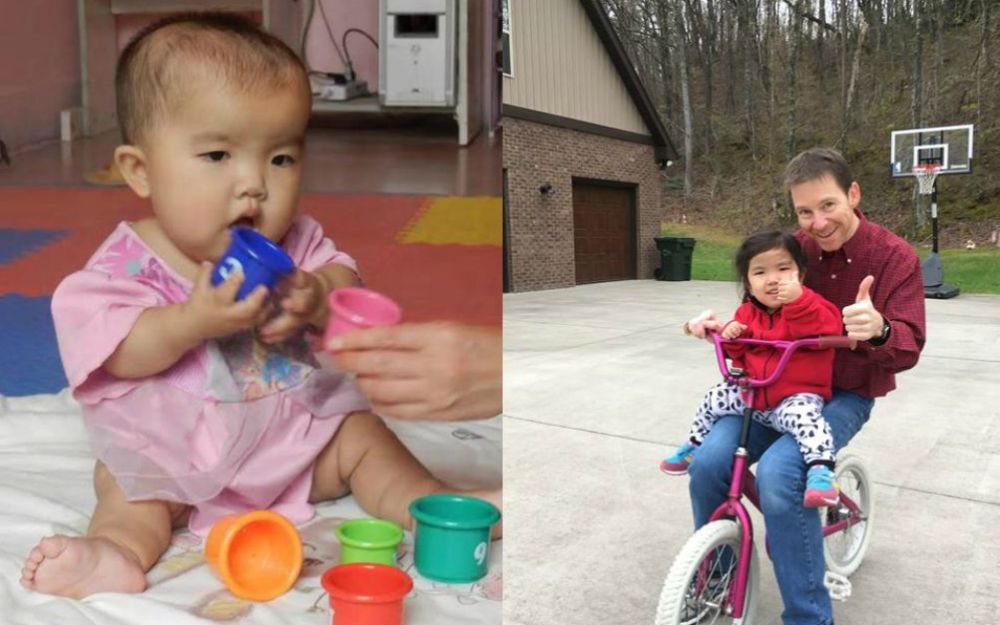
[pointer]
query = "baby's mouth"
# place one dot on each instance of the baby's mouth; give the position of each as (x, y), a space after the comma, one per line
(243, 222)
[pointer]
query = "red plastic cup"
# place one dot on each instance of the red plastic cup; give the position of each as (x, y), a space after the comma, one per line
(353, 308)
(365, 593)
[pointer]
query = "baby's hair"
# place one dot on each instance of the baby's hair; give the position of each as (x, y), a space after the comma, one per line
(154, 66)
(763, 242)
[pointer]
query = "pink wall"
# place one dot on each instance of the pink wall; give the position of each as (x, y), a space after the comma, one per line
(128, 26)
(344, 14)
(39, 69)
(45, 31)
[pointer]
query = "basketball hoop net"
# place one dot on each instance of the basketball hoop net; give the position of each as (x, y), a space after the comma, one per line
(926, 175)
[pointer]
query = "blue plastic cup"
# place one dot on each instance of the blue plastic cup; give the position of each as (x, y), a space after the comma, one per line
(452, 541)
(261, 260)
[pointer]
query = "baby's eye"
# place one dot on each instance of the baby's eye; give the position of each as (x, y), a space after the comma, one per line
(283, 160)
(216, 156)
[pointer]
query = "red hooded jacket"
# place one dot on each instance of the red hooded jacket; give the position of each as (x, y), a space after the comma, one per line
(809, 370)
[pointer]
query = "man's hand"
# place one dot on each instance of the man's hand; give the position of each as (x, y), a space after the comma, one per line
(304, 303)
(212, 312)
(734, 330)
(789, 290)
(701, 325)
(861, 320)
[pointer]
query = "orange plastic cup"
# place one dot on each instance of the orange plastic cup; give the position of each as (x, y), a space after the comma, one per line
(366, 593)
(258, 555)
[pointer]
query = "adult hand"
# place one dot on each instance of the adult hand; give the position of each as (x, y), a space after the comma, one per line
(701, 325)
(861, 320)
(440, 371)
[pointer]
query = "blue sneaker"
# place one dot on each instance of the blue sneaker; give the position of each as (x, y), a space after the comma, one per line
(821, 487)
(677, 463)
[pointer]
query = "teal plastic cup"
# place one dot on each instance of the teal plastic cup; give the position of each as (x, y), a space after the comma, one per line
(369, 540)
(452, 541)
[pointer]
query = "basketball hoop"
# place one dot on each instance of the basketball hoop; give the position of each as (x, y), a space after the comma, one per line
(926, 175)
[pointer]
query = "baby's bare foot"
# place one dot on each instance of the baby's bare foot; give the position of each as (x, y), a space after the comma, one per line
(77, 567)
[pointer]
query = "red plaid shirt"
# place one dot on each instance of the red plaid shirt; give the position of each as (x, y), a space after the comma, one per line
(897, 294)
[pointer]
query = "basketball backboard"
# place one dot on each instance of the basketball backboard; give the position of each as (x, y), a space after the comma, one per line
(948, 147)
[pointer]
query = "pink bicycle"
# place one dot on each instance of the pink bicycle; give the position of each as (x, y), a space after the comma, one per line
(715, 577)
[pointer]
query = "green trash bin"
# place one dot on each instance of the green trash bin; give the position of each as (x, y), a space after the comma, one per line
(675, 258)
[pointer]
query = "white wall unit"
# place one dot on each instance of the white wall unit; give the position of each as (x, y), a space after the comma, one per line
(418, 52)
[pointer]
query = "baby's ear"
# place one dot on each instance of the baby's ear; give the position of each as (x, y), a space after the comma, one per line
(131, 162)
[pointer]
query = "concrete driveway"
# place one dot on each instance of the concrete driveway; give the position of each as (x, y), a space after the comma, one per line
(599, 384)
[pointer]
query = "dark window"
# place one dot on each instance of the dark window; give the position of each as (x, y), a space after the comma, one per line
(505, 39)
(417, 25)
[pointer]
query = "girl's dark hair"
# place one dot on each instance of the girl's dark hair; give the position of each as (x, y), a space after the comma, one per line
(763, 242)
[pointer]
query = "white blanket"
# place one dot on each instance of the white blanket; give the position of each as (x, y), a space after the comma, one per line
(45, 488)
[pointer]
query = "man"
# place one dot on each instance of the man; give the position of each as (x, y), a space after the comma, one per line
(874, 277)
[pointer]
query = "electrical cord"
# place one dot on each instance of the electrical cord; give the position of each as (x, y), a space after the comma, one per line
(305, 37)
(343, 40)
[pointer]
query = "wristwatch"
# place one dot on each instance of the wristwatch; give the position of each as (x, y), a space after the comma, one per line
(883, 336)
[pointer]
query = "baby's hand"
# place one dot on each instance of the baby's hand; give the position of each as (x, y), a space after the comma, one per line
(733, 330)
(304, 303)
(701, 325)
(789, 290)
(214, 312)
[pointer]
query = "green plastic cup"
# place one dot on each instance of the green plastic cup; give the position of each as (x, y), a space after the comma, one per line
(369, 540)
(452, 541)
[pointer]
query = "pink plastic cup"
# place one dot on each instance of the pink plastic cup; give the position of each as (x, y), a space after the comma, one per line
(364, 593)
(354, 308)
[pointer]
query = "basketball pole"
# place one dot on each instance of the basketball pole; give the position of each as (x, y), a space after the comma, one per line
(932, 268)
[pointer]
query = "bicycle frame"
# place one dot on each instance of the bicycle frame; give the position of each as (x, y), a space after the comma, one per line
(743, 482)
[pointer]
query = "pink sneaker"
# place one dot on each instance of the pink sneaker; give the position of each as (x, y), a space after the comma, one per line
(821, 487)
(677, 463)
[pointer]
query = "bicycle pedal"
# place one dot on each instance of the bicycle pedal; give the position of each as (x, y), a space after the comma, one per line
(837, 585)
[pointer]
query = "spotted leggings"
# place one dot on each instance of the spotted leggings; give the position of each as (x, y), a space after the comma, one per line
(800, 415)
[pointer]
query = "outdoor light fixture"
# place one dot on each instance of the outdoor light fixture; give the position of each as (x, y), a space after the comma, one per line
(546, 189)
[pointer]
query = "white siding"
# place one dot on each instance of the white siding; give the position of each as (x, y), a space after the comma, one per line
(561, 67)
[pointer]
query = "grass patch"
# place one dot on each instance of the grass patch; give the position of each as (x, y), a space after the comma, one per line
(974, 271)
(713, 250)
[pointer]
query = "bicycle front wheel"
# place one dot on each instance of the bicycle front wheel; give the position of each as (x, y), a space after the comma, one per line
(844, 550)
(697, 588)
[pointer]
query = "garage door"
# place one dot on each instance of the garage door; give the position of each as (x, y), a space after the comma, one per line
(603, 232)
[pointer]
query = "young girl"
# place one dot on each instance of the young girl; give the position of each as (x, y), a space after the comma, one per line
(776, 306)
(197, 404)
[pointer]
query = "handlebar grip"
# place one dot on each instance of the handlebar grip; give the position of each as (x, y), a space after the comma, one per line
(837, 341)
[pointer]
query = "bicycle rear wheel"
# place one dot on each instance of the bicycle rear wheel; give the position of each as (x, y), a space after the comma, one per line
(843, 551)
(698, 585)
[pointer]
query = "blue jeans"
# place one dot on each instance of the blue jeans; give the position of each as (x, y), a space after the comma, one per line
(794, 533)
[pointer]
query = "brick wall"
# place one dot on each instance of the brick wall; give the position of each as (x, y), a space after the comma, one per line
(541, 227)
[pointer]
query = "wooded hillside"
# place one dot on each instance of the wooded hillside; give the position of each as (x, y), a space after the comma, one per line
(743, 85)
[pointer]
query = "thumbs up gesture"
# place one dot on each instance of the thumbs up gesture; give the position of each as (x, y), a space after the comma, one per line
(861, 320)
(789, 290)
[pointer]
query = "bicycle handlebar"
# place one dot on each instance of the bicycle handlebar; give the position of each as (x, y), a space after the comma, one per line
(787, 349)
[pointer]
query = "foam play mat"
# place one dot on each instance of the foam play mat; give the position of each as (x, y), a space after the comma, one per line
(439, 257)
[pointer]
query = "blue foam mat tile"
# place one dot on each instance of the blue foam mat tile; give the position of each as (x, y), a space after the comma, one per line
(16, 243)
(29, 355)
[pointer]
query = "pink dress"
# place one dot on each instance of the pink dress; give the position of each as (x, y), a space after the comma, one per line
(232, 426)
